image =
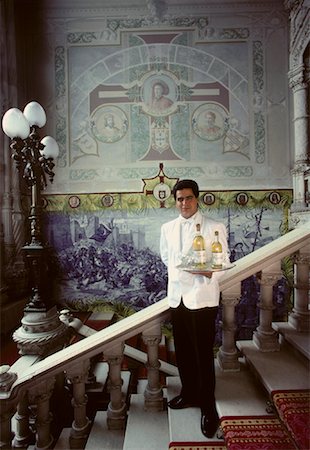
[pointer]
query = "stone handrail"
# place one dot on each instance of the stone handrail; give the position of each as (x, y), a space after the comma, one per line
(267, 255)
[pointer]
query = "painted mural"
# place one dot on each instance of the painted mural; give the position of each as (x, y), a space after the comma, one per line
(107, 245)
(186, 93)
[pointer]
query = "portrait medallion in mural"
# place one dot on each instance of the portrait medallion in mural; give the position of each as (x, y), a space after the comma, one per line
(74, 201)
(242, 198)
(208, 198)
(109, 124)
(209, 121)
(159, 94)
(274, 198)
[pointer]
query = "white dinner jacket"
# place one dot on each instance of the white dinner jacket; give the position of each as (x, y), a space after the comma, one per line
(197, 291)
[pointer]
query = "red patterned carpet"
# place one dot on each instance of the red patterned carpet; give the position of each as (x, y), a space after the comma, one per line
(197, 446)
(256, 433)
(293, 407)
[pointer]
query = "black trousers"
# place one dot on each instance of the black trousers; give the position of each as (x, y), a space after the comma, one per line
(194, 333)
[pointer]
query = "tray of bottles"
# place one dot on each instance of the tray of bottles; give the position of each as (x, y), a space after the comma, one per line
(204, 267)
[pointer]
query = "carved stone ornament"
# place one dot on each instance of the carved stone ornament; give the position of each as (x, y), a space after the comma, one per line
(40, 333)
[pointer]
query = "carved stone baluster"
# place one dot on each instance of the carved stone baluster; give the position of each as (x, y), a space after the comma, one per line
(7, 406)
(299, 318)
(78, 374)
(40, 395)
(228, 355)
(23, 434)
(7, 410)
(265, 336)
(153, 392)
(117, 409)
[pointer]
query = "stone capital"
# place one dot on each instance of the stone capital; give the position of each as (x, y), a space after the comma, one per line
(269, 279)
(151, 340)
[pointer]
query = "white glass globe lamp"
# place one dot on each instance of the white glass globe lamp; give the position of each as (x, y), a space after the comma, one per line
(15, 124)
(35, 114)
(51, 149)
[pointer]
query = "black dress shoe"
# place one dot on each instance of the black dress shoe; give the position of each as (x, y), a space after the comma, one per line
(179, 402)
(209, 424)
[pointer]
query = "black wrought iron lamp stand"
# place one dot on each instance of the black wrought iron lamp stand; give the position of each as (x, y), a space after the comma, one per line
(41, 329)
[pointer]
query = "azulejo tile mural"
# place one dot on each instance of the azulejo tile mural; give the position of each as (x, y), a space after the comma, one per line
(107, 244)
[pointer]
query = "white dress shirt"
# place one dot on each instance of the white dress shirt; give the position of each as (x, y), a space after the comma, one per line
(176, 239)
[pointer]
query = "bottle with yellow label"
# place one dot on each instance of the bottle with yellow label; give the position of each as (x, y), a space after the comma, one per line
(199, 248)
(217, 252)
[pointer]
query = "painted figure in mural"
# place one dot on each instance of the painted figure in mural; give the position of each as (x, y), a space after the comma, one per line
(193, 299)
(106, 128)
(110, 129)
(208, 128)
(159, 102)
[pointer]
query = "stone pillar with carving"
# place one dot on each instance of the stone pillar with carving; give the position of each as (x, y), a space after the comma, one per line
(301, 117)
(77, 374)
(117, 409)
(7, 406)
(299, 318)
(299, 15)
(265, 336)
(228, 354)
(39, 396)
(153, 392)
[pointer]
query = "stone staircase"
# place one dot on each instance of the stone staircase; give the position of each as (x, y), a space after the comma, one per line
(246, 392)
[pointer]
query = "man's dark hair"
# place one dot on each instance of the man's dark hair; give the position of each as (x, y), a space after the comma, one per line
(186, 184)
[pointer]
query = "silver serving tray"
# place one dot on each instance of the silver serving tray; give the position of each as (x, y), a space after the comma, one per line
(206, 268)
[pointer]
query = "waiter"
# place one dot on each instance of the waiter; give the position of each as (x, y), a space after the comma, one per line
(193, 299)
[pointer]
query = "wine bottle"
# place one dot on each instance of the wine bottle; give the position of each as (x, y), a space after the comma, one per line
(199, 248)
(217, 252)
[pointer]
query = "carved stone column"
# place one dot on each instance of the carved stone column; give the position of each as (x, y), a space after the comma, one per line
(298, 75)
(117, 409)
(299, 87)
(40, 395)
(7, 406)
(153, 392)
(265, 336)
(228, 354)
(299, 318)
(77, 375)
(23, 434)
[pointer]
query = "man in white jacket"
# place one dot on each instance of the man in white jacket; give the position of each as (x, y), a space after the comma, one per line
(194, 299)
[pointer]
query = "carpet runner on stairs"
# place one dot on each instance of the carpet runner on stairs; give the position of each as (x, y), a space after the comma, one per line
(197, 446)
(293, 408)
(256, 433)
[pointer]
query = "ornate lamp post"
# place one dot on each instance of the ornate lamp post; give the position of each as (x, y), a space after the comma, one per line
(34, 160)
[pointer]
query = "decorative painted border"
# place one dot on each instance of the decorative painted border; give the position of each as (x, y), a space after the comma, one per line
(150, 199)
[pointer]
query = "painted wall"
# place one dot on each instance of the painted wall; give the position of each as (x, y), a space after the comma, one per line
(223, 118)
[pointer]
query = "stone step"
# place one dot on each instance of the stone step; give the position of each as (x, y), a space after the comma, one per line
(276, 370)
(147, 430)
(101, 437)
(237, 394)
(298, 341)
